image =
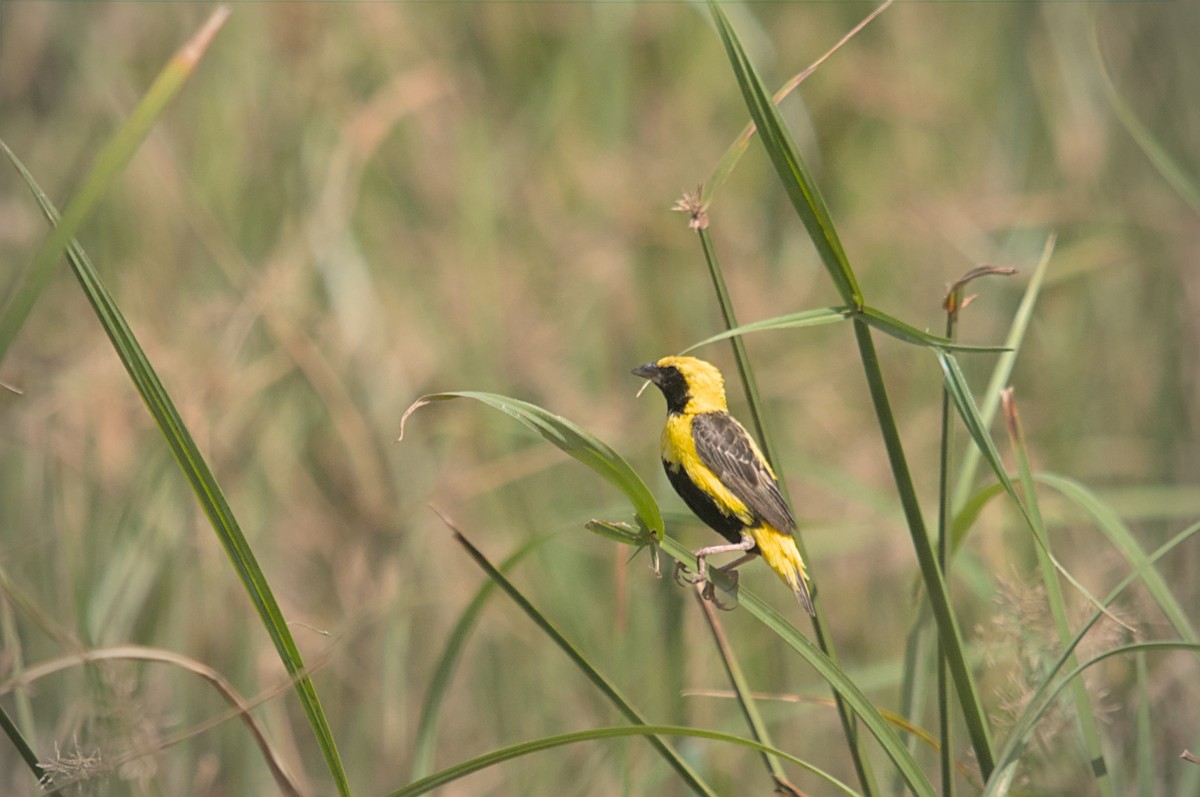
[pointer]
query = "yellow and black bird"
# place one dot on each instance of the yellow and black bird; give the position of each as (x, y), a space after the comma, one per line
(718, 470)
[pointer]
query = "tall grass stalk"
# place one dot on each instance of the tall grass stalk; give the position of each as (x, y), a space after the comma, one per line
(811, 209)
(201, 479)
(1058, 608)
(862, 763)
(606, 686)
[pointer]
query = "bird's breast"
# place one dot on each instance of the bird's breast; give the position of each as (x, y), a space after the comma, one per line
(678, 448)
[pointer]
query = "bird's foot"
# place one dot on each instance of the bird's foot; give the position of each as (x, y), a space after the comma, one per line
(709, 593)
(684, 577)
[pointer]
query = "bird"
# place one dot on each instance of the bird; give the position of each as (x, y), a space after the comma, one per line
(720, 473)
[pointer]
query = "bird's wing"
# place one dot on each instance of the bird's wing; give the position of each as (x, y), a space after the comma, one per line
(726, 448)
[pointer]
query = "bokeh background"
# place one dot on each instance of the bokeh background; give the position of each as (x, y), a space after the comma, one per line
(351, 205)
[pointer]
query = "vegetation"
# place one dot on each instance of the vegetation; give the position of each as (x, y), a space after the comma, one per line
(310, 217)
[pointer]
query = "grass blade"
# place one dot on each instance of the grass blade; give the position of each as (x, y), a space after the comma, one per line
(1144, 744)
(964, 402)
(805, 318)
(738, 148)
(859, 756)
(1058, 608)
(571, 439)
(870, 716)
(997, 789)
(598, 679)
(949, 634)
(550, 742)
(1009, 753)
(427, 725)
(1001, 373)
(900, 330)
(22, 746)
(956, 385)
(200, 477)
(789, 165)
(1184, 183)
(1123, 540)
(742, 692)
(109, 164)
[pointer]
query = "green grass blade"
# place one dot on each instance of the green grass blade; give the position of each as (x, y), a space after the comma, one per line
(109, 164)
(964, 402)
(745, 370)
(862, 763)
(427, 725)
(898, 329)
(1005, 363)
(1043, 697)
(789, 165)
(870, 716)
(949, 635)
(22, 746)
(737, 149)
(995, 789)
(572, 440)
(1058, 609)
(1176, 175)
(200, 478)
(805, 318)
(495, 757)
(1144, 736)
(741, 689)
(598, 679)
(969, 513)
(1123, 540)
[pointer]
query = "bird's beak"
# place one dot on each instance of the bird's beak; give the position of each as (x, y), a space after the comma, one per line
(647, 371)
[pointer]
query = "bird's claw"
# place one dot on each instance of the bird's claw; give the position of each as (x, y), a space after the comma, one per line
(685, 577)
(709, 592)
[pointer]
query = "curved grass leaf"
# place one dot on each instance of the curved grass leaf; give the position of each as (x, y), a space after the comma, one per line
(427, 726)
(239, 706)
(1123, 540)
(1002, 371)
(1178, 177)
(805, 318)
(201, 479)
(1043, 697)
(1084, 714)
(573, 440)
(1049, 696)
(966, 517)
(109, 164)
(964, 402)
(890, 325)
(598, 679)
(495, 757)
(876, 724)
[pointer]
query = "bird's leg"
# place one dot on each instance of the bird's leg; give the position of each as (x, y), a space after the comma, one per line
(684, 577)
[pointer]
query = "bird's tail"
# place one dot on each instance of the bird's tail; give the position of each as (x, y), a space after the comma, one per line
(778, 550)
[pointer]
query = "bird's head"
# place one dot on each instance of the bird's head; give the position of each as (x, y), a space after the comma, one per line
(689, 384)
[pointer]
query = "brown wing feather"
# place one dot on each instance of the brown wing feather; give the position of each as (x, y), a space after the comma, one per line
(724, 446)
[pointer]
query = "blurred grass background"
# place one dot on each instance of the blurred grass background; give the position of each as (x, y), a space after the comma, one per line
(352, 205)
